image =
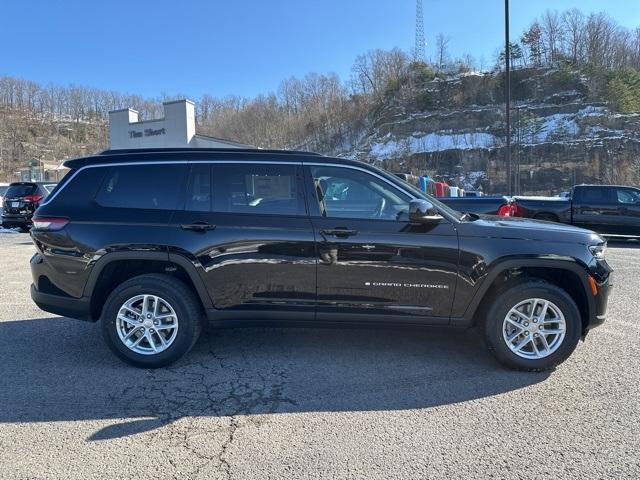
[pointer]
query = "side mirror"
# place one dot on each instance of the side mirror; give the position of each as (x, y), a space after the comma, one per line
(423, 212)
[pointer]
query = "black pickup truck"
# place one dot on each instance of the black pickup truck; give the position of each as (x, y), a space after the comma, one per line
(482, 205)
(607, 209)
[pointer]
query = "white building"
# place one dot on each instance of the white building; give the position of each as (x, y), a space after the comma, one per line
(176, 130)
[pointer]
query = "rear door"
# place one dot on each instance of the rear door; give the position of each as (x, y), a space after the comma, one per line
(245, 226)
(594, 208)
(372, 263)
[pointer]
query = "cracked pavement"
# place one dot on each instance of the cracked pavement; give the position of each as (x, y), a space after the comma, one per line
(313, 403)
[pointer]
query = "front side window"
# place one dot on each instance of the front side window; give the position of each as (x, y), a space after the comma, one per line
(628, 196)
(349, 193)
(151, 186)
(257, 188)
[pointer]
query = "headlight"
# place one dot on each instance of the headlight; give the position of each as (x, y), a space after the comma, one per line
(598, 251)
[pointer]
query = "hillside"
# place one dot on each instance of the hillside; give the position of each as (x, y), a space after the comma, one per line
(560, 136)
(450, 127)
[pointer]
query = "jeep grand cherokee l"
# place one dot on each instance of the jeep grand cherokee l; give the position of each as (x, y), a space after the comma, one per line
(153, 243)
(20, 201)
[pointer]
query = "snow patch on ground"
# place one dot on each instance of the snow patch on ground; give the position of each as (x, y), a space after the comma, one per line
(9, 230)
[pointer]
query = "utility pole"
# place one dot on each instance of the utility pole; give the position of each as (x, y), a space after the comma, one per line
(419, 47)
(507, 80)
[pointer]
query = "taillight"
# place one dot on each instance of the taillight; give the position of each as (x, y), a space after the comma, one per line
(517, 210)
(50, 224)
(504, 210)
(32, 198)
(511, 210)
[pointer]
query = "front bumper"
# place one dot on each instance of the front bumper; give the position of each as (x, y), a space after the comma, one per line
(602, 273)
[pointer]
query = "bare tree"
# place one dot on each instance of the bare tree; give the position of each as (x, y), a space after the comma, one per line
(552, 33)
(442, 51)
(573, 22)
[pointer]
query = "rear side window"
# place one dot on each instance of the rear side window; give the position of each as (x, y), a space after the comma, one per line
(22, 189)
(153, 186)
(256, 188)
(593, 195)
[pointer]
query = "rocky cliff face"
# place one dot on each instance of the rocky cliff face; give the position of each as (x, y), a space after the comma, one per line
(561, 134)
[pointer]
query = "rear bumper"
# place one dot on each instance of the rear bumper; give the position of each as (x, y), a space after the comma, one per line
(79, 308)
(11, 221)
(52, 299)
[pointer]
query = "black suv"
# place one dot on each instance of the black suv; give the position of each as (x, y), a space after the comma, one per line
(153, 242)
(20, 201)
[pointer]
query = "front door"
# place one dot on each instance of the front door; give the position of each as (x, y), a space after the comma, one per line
(372, 263)
(245, 226)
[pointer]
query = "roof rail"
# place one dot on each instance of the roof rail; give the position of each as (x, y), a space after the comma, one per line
(188, 149)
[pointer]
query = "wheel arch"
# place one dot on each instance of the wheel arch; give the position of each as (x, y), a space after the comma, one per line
(565, 274)
(116, 267)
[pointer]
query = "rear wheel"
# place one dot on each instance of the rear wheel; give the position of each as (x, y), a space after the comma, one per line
(151, 320)
(532, 326)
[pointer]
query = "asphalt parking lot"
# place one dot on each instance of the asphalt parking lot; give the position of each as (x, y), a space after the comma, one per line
(309, 403)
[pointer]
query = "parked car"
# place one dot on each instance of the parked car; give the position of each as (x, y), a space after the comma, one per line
(20, 201)
(153, 243)
(473, 193)
(483, 205)
(607, 209)
(3, 190)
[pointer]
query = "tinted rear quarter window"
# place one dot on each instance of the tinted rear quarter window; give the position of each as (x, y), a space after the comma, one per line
(77, 189)
(151, 186)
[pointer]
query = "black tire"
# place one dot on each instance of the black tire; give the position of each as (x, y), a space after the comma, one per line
(548, 217)
(181, 298)
(511, 296)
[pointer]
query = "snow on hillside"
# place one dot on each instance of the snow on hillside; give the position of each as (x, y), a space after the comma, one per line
(432, 142)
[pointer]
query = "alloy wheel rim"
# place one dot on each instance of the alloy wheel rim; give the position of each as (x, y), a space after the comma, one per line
(147, 324)
(534, 328)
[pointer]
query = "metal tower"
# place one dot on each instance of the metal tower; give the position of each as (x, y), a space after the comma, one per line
(419, 48)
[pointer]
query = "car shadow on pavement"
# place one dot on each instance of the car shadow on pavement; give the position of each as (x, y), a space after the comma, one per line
(57, 369)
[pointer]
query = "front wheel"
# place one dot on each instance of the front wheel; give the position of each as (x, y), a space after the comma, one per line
(151, 320)
(532, 326)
